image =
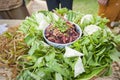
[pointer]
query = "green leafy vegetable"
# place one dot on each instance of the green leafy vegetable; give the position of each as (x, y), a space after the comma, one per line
(48, 63)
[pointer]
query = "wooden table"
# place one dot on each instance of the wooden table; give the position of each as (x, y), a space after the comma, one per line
(11, 22)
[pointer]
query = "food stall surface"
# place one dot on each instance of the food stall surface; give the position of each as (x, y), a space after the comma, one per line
(10, 23)
(3, 69)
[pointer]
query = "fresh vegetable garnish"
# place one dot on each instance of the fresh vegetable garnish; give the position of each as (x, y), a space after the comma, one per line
(49, 63)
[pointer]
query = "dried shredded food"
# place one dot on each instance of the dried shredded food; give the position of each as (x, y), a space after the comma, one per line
(11, 47)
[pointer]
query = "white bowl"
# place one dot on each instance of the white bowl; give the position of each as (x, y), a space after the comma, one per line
(58, 45)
